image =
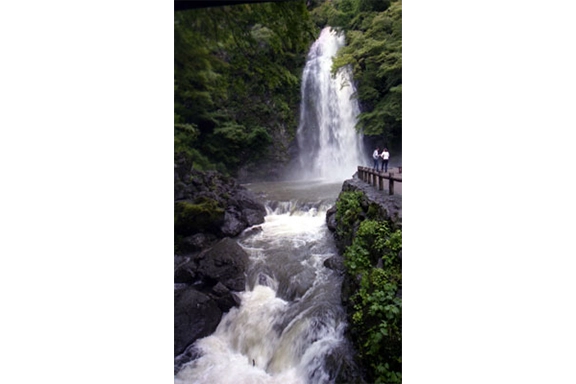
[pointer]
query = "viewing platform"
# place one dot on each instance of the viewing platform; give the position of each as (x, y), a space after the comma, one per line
(376, 178)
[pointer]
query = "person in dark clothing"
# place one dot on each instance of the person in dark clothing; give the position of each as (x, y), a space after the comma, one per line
(385, 156)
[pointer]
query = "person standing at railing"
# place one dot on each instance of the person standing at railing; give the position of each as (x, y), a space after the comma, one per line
(385, 156)
(376, 157)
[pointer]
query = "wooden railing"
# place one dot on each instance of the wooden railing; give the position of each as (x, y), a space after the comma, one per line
(377, 178)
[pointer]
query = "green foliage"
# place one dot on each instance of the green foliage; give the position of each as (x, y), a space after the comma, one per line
(258, 139)
(231, 143)
(336, 13)
(373, 5)
(184, 136)
(373, 211)
(325, 14)
(374, 52)
(356, 259)
(236, 80)
(348, 212)
(372, 257)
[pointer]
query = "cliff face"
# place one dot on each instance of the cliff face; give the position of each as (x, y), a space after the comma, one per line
(367, 227)
(373, 203)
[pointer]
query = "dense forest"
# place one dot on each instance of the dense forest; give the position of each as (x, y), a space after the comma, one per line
(237, 72)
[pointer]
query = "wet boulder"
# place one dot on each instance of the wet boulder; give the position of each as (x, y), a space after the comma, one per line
(331, 218)
(233, 223)
(243, 211)
(196, 315)
(225, 262)
(253, 211)
(335, 263)
(197, 242)
(224, 298)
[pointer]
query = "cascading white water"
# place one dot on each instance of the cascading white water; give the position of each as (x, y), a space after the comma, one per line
(329, 146)
(290, 325)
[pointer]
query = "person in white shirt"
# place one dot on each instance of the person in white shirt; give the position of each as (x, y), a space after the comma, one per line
(376, 156)
(385, 156)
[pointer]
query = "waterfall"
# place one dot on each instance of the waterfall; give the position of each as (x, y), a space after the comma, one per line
(328, 145)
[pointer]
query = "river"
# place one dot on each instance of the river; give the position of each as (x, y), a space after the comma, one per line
(290, 325)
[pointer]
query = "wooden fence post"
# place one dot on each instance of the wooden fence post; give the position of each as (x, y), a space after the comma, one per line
(376, 179)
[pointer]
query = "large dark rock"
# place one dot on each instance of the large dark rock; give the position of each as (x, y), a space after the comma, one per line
(335, 263)
(331, 218)
(253, 216)
(243, 211)
(225, 262)
(197, 242)
(205, 283)
(195, 316)
(253, 211)
(224, 298)
(185, 272)
(233, 223)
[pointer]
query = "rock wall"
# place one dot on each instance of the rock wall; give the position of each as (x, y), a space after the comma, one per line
(388, 207)
(376, 205)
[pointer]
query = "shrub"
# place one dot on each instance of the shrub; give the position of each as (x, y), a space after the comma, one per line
(372, 259)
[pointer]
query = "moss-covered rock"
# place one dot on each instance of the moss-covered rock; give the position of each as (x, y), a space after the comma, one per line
(194, 217)
(212, 204)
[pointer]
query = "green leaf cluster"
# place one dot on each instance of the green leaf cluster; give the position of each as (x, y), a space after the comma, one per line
(185, 136)
(348, 212)
(334, 13)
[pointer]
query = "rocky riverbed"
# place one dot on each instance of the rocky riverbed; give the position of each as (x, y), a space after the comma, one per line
(209, 267)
